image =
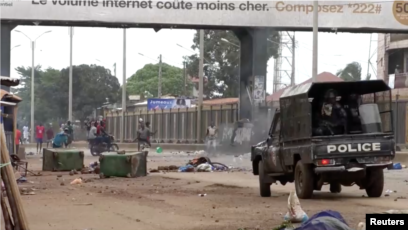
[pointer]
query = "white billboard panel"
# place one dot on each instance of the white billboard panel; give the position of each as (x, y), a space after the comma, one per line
(390, 15)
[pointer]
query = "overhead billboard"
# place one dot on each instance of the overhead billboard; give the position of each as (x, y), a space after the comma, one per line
(387, 15)
(158, 103)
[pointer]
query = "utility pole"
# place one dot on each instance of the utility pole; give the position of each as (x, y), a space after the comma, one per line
(32, 92)
(315, 39)
(159, 92)
(71, 35)
(200, 85)
(185, 77)
(369, 57)
(114, 70)
(292, 79)
(122, 136)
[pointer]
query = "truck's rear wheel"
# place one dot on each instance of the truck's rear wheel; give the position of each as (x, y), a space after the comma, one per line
(335, 188)
(304, 180)
(264, 188)
(375, 177)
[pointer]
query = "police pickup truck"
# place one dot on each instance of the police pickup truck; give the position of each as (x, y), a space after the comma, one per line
(336, 134)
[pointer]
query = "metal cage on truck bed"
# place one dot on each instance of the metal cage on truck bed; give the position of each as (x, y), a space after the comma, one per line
(297, 104)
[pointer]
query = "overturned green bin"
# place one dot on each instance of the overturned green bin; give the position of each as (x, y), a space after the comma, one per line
(62, 159)
(132, 164)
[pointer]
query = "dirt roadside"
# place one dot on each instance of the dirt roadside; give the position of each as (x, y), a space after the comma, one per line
(170, 201)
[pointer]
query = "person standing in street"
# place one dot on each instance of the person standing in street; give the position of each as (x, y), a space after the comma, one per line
(25, 134)
(18, 140)
(211, 137)
(39, 131)
(70, 133)
(50, 134)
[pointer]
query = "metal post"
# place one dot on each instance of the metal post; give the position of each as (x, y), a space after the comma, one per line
(200, 85)
(396, 129)
(71, 34)
(315, 31)
(185, 78)
(122, 136)
(114, 70)
(159, 90)
(32, 91)
(369, 58)
(292, 77)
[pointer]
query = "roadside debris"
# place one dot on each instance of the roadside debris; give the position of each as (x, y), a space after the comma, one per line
(202, 195)
(27, 191)
(198, 164)
(295, 212)
(77, 181)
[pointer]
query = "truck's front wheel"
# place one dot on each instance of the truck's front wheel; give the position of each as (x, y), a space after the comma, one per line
(375, 177)
(304, 180)
(264, 188)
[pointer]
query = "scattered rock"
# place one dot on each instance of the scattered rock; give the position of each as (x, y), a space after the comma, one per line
(62, 183)
(217, 221)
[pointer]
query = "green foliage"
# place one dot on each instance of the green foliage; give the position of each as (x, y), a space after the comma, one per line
(145, 81)
(221, 60)
(352, 72)
(91, 86)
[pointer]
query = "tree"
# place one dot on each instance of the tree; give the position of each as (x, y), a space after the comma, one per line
(145, 81)
(91, 86)
(221, 60)
(352, 72)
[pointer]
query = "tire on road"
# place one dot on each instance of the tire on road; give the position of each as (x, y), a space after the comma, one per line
(304, 180)
(264, 188)
(376, 178)
(335, 188)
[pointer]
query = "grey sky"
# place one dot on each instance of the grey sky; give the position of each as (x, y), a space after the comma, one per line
(52, 49)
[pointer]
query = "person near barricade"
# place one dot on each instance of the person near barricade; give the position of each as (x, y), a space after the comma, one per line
(50, 134)
(61, 139)
(18, 139)
(142, 136)
(238, 124)
(70, 129)
(211, 137)
(39, 130)
(149, 132)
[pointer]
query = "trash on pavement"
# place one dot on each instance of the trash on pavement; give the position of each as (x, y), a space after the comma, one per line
(77, 181)
(205, 167)
(202, 195)
(295, 213)
(361, 226)
(187, 168)
(396, 166)
(27, 191)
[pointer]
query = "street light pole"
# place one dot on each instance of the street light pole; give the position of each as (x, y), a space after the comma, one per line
(71, 34)
(32, 43)
(159, 90)
(315, 43)
(32, 91)
(123, 133)
(200, 85)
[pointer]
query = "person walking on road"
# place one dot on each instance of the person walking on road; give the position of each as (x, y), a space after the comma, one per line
(39, 130)
(18, 139)
(211, 137)
(25, 134)
(50, 134)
